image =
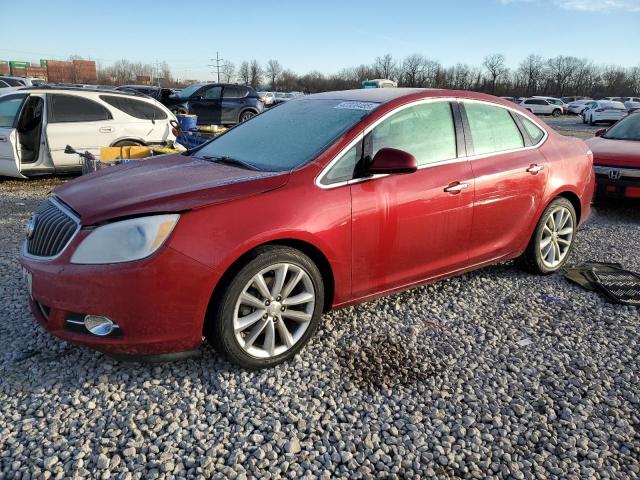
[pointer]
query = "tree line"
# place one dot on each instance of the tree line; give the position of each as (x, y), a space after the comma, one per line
(534, 75)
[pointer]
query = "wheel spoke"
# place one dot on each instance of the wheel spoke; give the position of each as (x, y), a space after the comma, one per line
(269, 343)
(566, 231)
(292, 284)
(250, 300)
(564, 241)
(301, 298)
(261, 285)
(248, 320)
(556, 252)
(544, 242)
(296, 315)
(546, 229)
(284, 333)
(255, 332)
(552, 222)
(281, 275)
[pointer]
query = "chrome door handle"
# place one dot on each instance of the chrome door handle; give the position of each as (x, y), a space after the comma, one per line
(456, 187)
(535, 169)
(106, 129)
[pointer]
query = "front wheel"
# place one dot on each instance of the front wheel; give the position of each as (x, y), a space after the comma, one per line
(556, 113)
(591, 121)
(553, 239)
(270, 309)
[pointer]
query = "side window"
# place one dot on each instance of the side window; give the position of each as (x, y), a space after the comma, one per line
(71, 108)
(345, 168)
(135, 108)
(492, 128)
(9, 108)
(233, 92)
(212, 93)
(535, 132)
(425, 131)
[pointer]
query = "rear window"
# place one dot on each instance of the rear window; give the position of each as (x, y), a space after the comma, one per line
(234, 92)
(135, 108)
(492, 128)
(71, 108)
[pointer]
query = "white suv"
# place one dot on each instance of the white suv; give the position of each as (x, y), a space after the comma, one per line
(540, 106)
(36, 124)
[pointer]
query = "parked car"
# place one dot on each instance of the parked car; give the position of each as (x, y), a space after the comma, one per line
(576, 107)
(159, 93)
(616, 158)
(555, 101)
(36, 124)
(23, 81)
(216, 103)
(379, 83)
(603, 111)
(267, 97)
(630, 99)
(512, 99)
(281, 97)
(568, 100)
(7, 87)
(540, 106)
(249, 238)
(629, 105)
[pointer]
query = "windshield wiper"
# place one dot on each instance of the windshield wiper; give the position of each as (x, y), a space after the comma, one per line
(229, 161)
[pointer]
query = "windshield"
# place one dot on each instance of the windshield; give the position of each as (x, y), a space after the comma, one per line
(626, 129)
(188, 91)
(288, 136)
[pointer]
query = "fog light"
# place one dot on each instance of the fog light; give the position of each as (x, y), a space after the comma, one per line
(97, 325)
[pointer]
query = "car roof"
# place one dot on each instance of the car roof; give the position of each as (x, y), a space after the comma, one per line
(53, 88)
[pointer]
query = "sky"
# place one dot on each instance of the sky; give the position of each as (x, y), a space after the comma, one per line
(325, 36)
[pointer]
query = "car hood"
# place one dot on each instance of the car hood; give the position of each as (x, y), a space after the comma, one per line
(615, 153)
(171, 183)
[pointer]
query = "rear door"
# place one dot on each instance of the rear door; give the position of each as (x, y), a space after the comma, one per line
(10, 107)
(78, 121)
(206, 103)
(232, 101)
(510, 178)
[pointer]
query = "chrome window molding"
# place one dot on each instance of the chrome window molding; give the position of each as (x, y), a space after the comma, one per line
(58, 204)
(463, 158)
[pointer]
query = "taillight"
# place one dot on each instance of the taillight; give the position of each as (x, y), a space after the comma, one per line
(263, 99)
(175, 131)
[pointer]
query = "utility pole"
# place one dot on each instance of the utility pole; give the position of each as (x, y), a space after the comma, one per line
(218, 61)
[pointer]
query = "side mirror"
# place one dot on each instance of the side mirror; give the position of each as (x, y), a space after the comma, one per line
(69, 149)
(392, 160)
(600, 132)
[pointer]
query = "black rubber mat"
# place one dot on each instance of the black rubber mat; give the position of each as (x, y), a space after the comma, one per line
(616, 283)
(621, 286)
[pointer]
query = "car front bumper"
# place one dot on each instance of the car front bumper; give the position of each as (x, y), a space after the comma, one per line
(617, 181)
(158, 303)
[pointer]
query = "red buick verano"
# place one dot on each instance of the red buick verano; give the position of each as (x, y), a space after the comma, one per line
(322, 202)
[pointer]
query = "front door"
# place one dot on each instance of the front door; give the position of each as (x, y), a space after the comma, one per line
(10, 107)
(411, 227)
(206, 104)
(510, 180)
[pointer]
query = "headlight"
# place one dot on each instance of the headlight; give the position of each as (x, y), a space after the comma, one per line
(126, 240)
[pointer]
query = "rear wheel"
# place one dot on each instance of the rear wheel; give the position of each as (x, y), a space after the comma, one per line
(246, 115)
(128, 143)
(556, 113)
(270, 309)
(552, 240)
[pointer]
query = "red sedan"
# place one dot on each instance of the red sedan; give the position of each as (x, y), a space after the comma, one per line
(616, 158)
(322, 202)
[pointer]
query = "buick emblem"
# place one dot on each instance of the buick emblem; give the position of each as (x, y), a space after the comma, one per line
(31, 226)
(615, 175)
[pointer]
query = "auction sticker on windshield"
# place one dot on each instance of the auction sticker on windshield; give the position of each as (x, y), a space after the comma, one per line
(351, 105)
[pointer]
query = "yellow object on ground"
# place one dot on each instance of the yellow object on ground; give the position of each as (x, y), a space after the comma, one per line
(110, 154)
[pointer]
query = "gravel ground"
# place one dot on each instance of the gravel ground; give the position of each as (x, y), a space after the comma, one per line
(572, 125)
(495, 374)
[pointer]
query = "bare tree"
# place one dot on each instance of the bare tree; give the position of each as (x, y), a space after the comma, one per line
(385, 66)
(531, 71)
(495, 65)
(412, 70)
(255, 74)
(244, 73)
(274, 70)
(228, 71)
(562, 71)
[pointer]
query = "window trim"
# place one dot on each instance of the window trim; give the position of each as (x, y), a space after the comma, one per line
(462, 156)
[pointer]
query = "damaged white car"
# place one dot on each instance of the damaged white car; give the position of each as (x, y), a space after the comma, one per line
(36, 124)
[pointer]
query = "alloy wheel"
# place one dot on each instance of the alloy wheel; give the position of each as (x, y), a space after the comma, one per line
(274, 310)
(246, 116)
(557, 236)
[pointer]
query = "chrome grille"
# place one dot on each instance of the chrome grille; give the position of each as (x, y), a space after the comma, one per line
(51, 228)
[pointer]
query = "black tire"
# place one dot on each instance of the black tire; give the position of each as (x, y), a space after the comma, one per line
(531, 259)
(128, 143)
(246, 115)
(556, 113)
(179, 111)
(219, 329)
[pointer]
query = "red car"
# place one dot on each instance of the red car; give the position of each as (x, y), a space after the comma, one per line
(616, 158)
(325, 201)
